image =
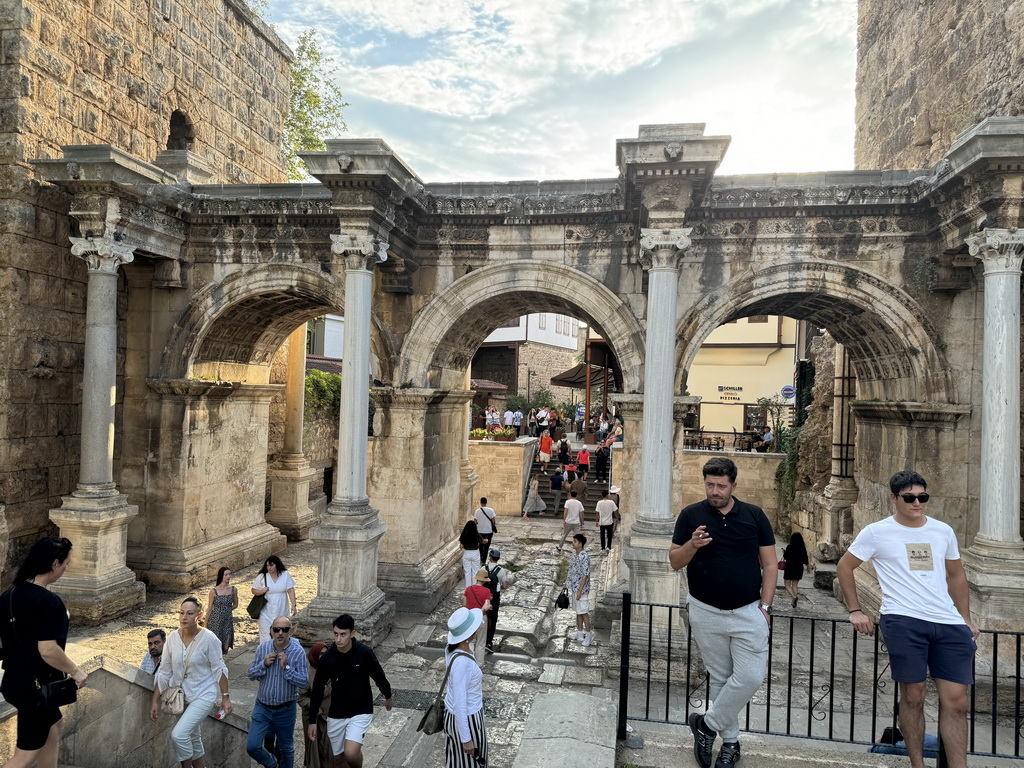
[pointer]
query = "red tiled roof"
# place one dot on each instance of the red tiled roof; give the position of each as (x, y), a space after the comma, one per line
(487, 385)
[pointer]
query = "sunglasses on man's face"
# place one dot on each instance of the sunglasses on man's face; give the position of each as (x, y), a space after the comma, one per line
(281, 629)
(910, 498)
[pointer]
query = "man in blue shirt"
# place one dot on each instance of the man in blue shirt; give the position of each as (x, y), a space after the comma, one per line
(280, 666)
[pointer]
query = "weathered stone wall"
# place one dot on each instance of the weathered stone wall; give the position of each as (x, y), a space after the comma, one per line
(814, 445)
(755, 479)
(110, 720)
(546, 361)
(103, 72)
(504, 470)
(112, 72)
(928, 71)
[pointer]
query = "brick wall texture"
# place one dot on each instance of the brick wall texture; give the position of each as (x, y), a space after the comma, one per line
(928, 71)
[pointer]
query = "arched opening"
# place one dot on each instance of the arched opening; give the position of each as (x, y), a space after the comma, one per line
(182, 134)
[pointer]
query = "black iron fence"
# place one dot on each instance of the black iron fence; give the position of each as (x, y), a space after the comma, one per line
(824, 681)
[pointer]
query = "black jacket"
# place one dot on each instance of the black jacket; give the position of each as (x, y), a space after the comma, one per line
(349, 675)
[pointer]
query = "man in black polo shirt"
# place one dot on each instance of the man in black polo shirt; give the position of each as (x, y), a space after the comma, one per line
(728, 549)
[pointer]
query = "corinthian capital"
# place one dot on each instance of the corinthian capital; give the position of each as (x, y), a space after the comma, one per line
(359, 251)
(102, 254)
(661, 248)
(999, 250)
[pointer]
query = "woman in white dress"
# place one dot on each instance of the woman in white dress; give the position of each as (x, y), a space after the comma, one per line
(534, 503)
(277, 585)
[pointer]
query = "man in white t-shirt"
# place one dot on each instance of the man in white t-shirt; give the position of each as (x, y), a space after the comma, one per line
(925, 613)
(486, 525)
(508, 417)
(572, 518)
(606, 509)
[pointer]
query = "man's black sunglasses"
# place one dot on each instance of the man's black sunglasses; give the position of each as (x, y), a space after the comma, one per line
(289, 629)
(910, 497)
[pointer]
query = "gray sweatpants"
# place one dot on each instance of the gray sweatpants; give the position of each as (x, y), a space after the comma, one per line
(734, 645)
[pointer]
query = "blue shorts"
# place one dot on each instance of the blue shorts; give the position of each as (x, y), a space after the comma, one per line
(918, 648)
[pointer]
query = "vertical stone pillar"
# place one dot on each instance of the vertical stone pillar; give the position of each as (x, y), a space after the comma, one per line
(291, 475)
(840, 494)
(468, 478)
(98, 585)
(349, 533)
(995, 561)
(646, 551)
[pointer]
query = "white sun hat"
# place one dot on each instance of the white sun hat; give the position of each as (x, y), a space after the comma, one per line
(463, 624)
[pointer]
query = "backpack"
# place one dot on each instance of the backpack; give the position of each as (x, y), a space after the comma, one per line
(492, 582)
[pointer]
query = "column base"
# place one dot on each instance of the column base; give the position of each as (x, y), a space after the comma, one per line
(316, 622)
(289, 498)
(420, 587)
(995, 571)
(179, 570)
(97, 586)
(651, 578)
(348, 536)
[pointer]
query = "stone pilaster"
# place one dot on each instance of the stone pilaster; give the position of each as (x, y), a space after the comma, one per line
(840, 494)
(350, 531)
(291, 475)
(98, 585)
(995, 560)
(646, 550)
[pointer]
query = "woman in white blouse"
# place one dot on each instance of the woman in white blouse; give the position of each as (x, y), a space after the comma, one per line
(192, 659)
(277, 585)
(465, 735)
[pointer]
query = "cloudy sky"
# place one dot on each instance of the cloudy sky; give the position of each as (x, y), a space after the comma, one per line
(540, 89)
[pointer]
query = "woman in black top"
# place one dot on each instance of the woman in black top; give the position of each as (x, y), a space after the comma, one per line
(797, 560)
(34, 630)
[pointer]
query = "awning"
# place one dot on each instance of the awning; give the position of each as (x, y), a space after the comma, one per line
(601, 357)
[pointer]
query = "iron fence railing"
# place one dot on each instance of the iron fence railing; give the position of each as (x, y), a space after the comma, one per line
(824, 681)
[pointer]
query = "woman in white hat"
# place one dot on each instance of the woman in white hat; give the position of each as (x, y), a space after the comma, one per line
(465, 736)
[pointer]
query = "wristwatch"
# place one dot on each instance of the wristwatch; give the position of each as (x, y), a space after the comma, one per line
(767, 608)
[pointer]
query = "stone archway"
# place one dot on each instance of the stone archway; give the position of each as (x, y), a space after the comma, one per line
(445, 334)
(888, 337)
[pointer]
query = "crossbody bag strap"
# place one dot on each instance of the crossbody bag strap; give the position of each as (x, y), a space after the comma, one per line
(447, 671)
(188, 655)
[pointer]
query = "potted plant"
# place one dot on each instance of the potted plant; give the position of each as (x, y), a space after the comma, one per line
(477, 434)
(504, 434)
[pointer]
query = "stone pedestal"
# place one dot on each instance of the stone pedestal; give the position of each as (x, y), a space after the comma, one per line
(290, 513)
(97, 585)
(348, 537)
(652, 579)
(836, 524)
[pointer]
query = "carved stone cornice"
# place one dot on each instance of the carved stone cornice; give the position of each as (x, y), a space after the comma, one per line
(902, 412)
(194, 388)
(1000, 251)
(360, 252)
(103, 255)
(662, 248)
(419, 399)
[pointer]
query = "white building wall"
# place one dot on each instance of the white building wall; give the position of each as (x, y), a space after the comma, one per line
(542, 328)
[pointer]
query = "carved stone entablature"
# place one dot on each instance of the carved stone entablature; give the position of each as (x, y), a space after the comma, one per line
(774, 197)
(533, 205)
(101, 254)
(191, 387)
(800, 227)
(662, 248)
(263, 207)
(611, 231)
(902, 413)
(448, 234)
(999, 250)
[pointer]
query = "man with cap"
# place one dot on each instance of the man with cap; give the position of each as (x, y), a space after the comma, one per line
(497, 579)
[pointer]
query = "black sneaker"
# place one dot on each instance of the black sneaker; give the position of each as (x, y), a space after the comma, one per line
(728, 755)
(703, 740)
(489, 648)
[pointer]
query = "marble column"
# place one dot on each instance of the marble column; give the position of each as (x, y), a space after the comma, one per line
(349, 533)
(290, 475)
(995, 560)
(661, 250)
(645, 552)
(98, 585)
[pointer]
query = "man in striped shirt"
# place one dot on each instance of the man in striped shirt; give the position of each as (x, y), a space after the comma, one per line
(280, 666)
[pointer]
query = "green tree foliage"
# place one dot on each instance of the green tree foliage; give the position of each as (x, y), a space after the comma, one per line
(542, 398)
(315, 111)
(323, 392)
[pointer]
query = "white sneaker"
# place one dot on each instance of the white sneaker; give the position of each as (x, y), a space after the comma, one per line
(590, 639)
(587, 638)
(579, 636)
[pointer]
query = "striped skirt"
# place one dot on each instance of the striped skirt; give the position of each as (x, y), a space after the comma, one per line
(454, 757)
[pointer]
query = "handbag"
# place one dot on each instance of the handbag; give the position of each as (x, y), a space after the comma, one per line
(57, 693)
(257, 604)
(562, 601)
(172, 700)
(433, 719)
(782, 565)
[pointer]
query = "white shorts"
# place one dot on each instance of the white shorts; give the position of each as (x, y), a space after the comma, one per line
(340, 730)
(582, 605)
(543, 457)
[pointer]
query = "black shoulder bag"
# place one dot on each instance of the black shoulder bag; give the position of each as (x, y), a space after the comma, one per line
(51, 695)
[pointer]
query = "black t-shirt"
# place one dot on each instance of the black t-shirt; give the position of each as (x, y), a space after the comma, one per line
(727, 572)
(39, 614)
(349, 675)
